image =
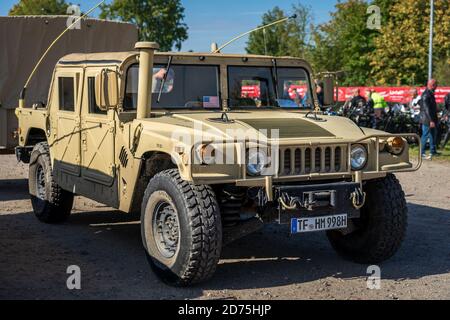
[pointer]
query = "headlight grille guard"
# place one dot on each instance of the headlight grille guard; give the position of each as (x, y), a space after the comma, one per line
(365, 141)
(378, 137)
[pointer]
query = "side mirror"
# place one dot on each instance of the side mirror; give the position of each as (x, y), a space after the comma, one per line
(328, 90)
(106, 89)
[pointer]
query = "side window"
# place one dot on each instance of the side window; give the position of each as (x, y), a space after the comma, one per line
(131, 92)
(66, 93)
(93, 107)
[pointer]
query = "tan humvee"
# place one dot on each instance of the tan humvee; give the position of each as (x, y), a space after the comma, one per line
(201, 145)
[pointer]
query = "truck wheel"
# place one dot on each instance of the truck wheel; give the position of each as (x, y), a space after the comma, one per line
(51, 204)
(181, 229)
(381, 228)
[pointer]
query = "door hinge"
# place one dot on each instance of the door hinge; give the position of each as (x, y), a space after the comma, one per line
(112, 170)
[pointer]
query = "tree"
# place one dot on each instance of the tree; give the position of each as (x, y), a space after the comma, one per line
(285, 39)
(158, 20)
(39, 7)
(344, 43)
(401, 51)
(442, 72)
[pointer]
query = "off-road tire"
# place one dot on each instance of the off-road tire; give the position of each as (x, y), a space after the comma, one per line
(381, 228)
(200, 229)
(55, 204)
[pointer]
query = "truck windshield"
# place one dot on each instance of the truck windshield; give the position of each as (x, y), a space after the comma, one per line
(254, 87)
(185, 87)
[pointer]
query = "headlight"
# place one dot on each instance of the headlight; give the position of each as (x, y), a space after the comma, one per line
(256, 162)
(358, 157)
(396, 145)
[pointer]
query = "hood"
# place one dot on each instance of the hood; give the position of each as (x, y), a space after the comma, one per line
(288, 125)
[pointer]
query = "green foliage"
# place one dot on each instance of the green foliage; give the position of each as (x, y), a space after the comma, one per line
(395, 55)
(345, 43)
(39, 7)
(442, 71)
(158, 20)
(285, 39)
(401, 51)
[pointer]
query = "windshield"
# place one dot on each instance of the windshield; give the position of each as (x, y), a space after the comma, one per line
(254, 87)
(184, 86)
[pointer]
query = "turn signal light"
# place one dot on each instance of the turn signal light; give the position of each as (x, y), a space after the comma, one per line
(396, 145)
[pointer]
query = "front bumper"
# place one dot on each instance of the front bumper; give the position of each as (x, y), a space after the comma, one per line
(318, 200)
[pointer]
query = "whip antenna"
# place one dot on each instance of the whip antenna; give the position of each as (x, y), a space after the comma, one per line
(254, 30)
(22, 94)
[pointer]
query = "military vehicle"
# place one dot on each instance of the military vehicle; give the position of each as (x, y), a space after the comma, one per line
(177, 138)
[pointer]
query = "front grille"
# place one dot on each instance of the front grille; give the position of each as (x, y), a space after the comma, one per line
(295, 161)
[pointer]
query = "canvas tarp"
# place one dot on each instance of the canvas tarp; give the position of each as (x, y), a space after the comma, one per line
(24, 39)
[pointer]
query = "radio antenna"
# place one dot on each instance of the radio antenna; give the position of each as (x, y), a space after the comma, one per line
(23, 93)
(254, 30)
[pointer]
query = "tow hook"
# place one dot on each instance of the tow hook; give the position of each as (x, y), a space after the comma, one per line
(310, 201)
(358, 198)
(290, 203)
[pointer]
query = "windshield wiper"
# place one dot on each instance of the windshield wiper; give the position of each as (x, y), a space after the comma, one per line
(163, 82)
(275, 77)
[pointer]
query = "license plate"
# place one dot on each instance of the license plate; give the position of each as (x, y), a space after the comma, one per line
(304, 225)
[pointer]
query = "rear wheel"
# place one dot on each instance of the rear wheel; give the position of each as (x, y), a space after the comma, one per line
(181, 229)
(51, 204)
(382, 227)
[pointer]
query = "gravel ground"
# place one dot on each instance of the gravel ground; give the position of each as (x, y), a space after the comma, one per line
(270, 264)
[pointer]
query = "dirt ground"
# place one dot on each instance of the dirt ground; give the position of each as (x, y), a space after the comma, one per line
(270, 264)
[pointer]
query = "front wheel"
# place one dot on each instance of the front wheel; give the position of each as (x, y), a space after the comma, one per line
(381, 228)
(51, 204)
(181, 229)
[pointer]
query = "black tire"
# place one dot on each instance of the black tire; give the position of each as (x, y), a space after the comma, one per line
(381, 228)
(51, 204)
(198, 230)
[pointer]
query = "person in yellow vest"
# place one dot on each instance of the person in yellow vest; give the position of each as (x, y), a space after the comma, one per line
(377, 103)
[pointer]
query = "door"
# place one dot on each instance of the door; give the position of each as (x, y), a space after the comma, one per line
(67, 158)
(97, 138)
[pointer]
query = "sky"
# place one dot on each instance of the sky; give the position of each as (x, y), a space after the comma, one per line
(219, 21)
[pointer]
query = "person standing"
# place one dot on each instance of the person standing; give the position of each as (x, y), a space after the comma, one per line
(358, 101)
(429, 120)
(446, 118)
(414, 104)
(378, 103)
(320, 93)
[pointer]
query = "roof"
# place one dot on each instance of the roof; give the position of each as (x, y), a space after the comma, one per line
(96, 58)
(120, 57)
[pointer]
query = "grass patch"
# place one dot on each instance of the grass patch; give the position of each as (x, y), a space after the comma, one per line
(445, 153)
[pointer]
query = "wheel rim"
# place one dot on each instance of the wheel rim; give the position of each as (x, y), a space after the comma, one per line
(166, 229)
(40, 183)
